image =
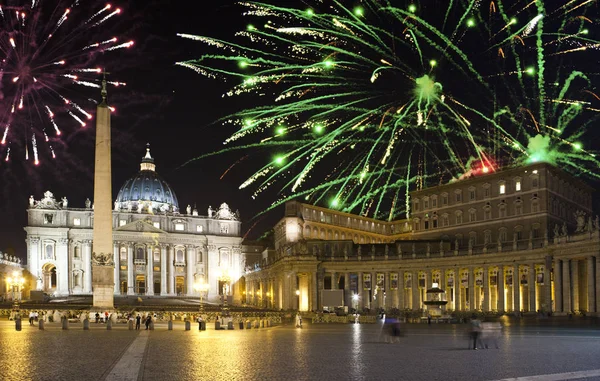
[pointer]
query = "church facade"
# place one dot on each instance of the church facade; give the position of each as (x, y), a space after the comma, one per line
(158, 249)
(519, 240)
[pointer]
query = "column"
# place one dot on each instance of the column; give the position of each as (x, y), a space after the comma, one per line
(334, 285)
(87, 262)
(457, 282)
(63, 270)
(295, 297)
(149, 271)
(472, 306)
(442, 285)
(401, 285)
(130, 270)
(171, 287)
(347, 294)
(190, 263)
(575, 285)
(516, 290)
(500, 290)
(388, 293)
(591, 291)
(163, 269)
(532, 287)
(566, 286)
(546, 305)
(360, 303)
(372, 302)
(486, 289)
(314, 286)
(597, 279)
(416, 299)
(117, 268)
(558, 301)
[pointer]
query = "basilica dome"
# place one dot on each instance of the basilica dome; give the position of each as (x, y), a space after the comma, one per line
(146, 191)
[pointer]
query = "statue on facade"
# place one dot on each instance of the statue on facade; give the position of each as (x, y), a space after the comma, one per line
(398, 248)
(65, 202)
(139, 207)
(359, 250)
(580, 218)
(88, 203)
(556, 234)
(441, 246)
(589, 227)
(597, 223)
(373, 250)
(129, 207)
(195, 211)
(210, 211)
(150, 208)
(116, 205)
(564, 229)
(188, 209)
(414, 248)
(31, 201)
(387, 250)
(470, 243)
(428, 247)
(102, 259)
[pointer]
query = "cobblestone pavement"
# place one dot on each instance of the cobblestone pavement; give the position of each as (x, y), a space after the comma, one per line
(316, 352)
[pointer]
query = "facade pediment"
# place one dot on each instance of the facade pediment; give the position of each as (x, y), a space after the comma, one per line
(140, 226)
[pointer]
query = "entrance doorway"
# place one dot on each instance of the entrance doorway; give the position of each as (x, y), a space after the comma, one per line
(140, 284)
(50, 279)
(180, 285)
(156, 287)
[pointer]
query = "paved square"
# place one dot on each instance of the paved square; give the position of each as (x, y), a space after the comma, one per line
(317, 352)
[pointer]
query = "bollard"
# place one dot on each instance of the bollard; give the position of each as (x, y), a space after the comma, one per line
(109, 325)
(241, 324)
(130, 325)
(262, 324)
(41, 324)
(248, 324)
(170, 325)
(18, 323)
(269, 323)
(203, 325)
(256, 324)
(217, 325)
(230, 325)
(65, 322)
(86, 324)
(151, 325)
(187, 325)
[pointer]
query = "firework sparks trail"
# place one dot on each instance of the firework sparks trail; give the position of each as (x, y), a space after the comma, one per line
(45, 56)
(356, 106)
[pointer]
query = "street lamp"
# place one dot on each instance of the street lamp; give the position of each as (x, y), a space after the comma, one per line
(16, 283)
(202, 288)
(298, 299)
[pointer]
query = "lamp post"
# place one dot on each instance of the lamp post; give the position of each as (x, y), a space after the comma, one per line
(15, 282)
(202, 288)
(298, 299)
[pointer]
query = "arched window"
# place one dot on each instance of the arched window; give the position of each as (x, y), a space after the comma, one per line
(76, 253)
(49, 251)
(139, 254)
(179, 256)
(123, 254)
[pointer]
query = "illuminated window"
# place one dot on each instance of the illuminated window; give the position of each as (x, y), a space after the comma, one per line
(502, 189)
(199, 228)
(179, 227)
(156, 225)
(518, 186)
(122, 222)
(77, 221)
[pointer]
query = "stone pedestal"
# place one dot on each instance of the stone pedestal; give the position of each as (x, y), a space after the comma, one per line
(103, 284)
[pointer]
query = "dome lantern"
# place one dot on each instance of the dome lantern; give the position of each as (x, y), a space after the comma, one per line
(147, 163)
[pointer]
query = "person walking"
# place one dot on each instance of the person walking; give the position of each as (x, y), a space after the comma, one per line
(31, 316)
(138, 321)
(298, 320)
(97, 316)
(148, 321)
(475, 330)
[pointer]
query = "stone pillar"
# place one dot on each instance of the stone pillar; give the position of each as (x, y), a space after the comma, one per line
(388, 293)
(347, 293)
(516, 290)
(314, 292)
(360, 303)
(163, 269)
(486, 289)
(190, 264)
(416, 297)
(87, 262)
(566, 286)
(558, 301)
(149, 271)
(442, 285)
(334, 285)
(591, 291)
(546, 304)
(171, 282)
(457, 285)
(532, 286)
(130, 270)
(500, 290)
(62, 266)
(575, 285)
(597, 279)
(401, 291)
(117, 260)
(472, 306)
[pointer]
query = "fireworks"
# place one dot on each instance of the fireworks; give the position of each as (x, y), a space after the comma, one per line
(362, 104)
(45, 53)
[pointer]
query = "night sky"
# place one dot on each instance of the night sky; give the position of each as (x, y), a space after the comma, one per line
(170, 107)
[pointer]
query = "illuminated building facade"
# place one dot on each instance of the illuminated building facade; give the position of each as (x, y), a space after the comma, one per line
(521, 239)
(159, 249)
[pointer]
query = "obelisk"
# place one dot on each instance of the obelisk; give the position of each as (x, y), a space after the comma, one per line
(102, 247)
